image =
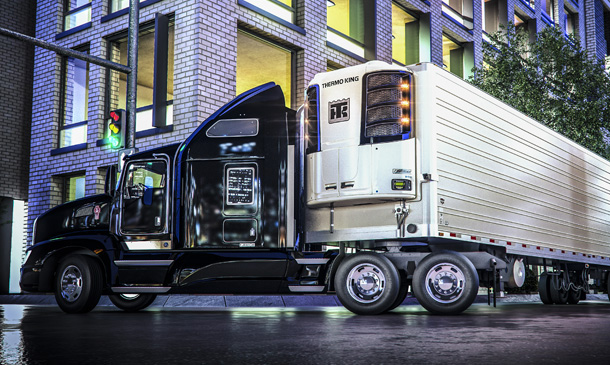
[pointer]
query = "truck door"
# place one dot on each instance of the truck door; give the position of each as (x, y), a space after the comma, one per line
(144, 198)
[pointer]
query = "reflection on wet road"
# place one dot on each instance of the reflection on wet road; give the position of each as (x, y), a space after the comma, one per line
(510, 334)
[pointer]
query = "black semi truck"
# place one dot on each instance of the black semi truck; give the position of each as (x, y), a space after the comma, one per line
(353, 195)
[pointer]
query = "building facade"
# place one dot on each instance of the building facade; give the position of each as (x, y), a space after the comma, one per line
(17, 60)
(195, 55)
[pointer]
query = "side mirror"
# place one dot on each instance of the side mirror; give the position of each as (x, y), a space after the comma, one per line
(110, 181)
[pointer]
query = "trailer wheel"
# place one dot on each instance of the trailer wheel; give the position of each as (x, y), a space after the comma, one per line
(367, 283)
(574, 296)
(445, 282)
(402, 295)
(558, 294)
(132, 302)
(78, 284)
(544, 288)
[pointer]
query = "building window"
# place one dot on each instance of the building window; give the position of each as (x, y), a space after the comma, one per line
(549, 8)
(75, 102)
(453, 56)
(349, 22)
(116, 5)
(155, 90)
(76, 12)
(494, 15)
(74, 187)
(259, 62)
(283, 9)
(460, 11)
(571, 19)
(405, 36)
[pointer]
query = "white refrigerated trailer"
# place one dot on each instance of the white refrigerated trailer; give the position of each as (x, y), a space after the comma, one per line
(421, 164)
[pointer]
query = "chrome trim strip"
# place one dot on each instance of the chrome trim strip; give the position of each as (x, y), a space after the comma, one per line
(311, 261)
(149, 245)
(122, 263)
(306, 289)
(140, 289)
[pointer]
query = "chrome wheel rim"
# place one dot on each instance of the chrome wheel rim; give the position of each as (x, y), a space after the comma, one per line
(445, 283)
(129, 296)
(365, 283)
(71, 283)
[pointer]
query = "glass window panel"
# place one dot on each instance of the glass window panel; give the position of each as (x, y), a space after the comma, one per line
(75, 102)
(347, 17)
(404, 42)
(116, 5)
(75, 187)
(74, 4)
(78, 18)
(273, 8)
(452, 56)
(73, 136)
(259, 62)
(76, 93)
(146, 63)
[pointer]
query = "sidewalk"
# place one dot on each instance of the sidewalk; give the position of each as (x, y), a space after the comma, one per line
(233, 301)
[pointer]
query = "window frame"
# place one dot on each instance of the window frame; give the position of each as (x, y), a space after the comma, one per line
(293, 61)
(369, 42)
(62, 106)
(65, 194)
(417, 19)
(145, 28)
(122, 184)
(67, 13)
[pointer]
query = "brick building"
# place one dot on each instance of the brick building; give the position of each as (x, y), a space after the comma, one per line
(194, 56)
(17, 64)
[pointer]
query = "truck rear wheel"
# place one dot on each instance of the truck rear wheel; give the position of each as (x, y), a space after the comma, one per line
(558, 292)
(78, 284)
(367, 283)
(132, 302)
(445, 282)
(544, 288)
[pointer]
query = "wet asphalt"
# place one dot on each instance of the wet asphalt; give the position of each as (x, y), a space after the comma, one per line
(515, 334)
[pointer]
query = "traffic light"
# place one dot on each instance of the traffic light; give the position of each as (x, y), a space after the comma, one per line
(116, 128)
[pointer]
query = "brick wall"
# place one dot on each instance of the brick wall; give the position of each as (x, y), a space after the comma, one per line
(17, 60)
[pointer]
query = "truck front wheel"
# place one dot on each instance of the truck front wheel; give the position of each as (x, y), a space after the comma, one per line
(367, 283)
(78, 284)
(445, 282)
(132, 302)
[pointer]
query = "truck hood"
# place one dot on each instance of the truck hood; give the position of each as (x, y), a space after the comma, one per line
(88, 213)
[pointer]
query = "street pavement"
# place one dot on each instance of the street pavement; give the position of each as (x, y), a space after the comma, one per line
(513, 333)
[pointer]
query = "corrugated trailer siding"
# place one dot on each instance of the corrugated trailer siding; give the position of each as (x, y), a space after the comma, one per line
(505, 176)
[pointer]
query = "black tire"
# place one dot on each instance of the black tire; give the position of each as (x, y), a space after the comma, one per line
(453, 269)
(574, 296)
(608, 285)
(544, 288)
(559, 295)
(132, 302)
(402, 295)
(379, 277)
(78, 284)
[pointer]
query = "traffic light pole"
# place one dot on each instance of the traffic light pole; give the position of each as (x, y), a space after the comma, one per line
(132, 77)
(64, 51)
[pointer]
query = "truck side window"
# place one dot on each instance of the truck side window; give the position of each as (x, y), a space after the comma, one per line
(144, 197)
